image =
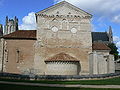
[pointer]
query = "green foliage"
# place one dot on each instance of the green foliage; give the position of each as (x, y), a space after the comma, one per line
(113, 51)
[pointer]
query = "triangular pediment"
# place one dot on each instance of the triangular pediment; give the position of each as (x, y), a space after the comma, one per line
(62, 57)
(64, 8)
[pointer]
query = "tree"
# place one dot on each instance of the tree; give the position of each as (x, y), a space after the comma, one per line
(113, 51)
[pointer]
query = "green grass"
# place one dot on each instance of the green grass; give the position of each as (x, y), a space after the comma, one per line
(23, 87)
(112, 81)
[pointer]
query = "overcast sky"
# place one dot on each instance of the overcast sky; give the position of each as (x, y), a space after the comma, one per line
(105, 13)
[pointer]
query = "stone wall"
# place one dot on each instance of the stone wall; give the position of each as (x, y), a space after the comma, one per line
(111, 64)
(63, 32)
(117, 66)
(1, 53)
(18, 56)
(62, 68)
(101, 63)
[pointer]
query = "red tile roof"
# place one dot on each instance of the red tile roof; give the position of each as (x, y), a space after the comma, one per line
(21, 34)
(100, 46)
(61, 57)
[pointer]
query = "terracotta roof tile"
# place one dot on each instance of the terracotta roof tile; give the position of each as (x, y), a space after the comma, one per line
(61, 57)
(21, 34)
(100, 46)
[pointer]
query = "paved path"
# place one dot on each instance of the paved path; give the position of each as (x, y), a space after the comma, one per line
(61, 85)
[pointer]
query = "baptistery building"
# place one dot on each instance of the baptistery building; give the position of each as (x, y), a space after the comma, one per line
(62, 44)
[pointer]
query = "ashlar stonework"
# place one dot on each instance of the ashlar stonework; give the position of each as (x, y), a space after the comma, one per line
(72, 27)
(62, 45)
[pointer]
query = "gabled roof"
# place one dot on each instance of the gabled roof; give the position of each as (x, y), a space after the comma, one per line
(100, 46)
(100, 36)
(61, 4)
(21, 34)
(61, 57)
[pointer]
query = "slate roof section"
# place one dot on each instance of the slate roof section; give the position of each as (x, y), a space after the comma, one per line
(100, 46)
(62, 57)
(100, 36)
(21, 34)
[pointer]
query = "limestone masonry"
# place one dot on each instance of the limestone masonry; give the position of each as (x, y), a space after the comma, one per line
(63, 44)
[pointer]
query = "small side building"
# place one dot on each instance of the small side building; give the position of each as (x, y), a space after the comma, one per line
(101, 62)
(18, 52)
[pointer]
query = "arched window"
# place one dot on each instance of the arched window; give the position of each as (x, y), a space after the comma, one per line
(64, 24)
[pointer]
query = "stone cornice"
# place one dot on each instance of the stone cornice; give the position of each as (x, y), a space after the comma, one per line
(63, 16)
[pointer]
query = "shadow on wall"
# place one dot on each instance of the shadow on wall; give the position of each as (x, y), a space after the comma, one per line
(78, 68)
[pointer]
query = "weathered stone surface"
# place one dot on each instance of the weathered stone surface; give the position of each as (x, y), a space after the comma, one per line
(18, 56)
(63, 38)
(62, 28)
(101, 62)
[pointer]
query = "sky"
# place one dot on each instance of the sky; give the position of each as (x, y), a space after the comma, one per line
(105, 13)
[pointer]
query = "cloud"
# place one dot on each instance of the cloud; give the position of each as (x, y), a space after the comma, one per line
(100, 8)
(28, 22)
(118, 44)
(116, 19)
(116, 40)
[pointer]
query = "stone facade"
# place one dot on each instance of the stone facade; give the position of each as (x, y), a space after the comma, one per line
(1, 55)
(101, 62)
(63, 30)
(11, 25)
(117, 65)
(18, 56)
(62, 68)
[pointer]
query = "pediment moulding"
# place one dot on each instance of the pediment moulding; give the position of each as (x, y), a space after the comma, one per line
(63, 16)
(64, 8)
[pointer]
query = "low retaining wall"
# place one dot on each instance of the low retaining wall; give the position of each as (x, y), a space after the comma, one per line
(14, 76)
(56, 77)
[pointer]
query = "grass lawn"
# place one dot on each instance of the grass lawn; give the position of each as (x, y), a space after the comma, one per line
(112, 81)
(22, 87)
